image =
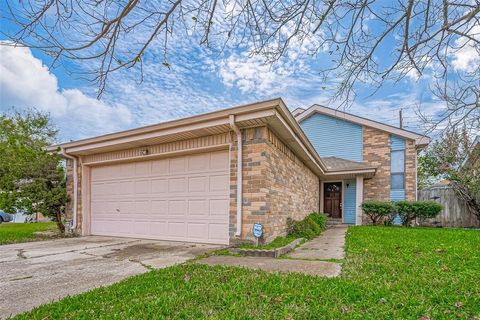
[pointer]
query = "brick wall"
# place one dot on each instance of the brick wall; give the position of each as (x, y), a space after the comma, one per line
(293, 187)
(410, 170)
(376, 150)
(276, 185)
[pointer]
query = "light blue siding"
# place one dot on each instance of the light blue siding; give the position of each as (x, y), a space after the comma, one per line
(349, 201)
(397, 143)
(334, 137)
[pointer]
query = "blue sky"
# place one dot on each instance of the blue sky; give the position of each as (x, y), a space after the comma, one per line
(199, 80)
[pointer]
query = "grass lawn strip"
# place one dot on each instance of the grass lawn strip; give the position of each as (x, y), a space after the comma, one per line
(23, 232)
(278, 242)
(388, 273)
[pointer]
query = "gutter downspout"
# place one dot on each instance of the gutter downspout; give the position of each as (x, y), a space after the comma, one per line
(75, 187)
(239, 174)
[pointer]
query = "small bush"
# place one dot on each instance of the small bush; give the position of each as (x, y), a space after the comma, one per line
(308, 228)
(410, 210)
(428, 209)
(376, 210)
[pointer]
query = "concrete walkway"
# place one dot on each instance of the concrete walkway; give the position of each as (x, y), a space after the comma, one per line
(314, 268)
(329, 245)
(306, 259)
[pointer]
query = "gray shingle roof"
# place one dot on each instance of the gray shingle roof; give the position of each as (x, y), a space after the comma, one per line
(339, 164)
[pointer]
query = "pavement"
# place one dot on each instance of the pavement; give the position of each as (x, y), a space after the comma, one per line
(35, 273)
(313, 268)
(329, 245)
(311, 258)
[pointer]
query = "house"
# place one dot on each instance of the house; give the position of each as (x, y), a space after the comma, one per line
(343, 138)
(209, 178)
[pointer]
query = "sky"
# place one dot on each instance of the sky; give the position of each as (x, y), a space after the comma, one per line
(198, 80)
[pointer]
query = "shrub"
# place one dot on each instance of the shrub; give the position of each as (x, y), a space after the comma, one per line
(427, 209)
(308, 228)
(377, 210)
(406, 210)
(410, 210)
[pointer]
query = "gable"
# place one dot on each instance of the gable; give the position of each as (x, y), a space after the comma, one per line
(333, 137)
(421, 141)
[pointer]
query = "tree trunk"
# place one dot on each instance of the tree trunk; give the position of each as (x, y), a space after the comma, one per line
(60, 225)
(464, 194)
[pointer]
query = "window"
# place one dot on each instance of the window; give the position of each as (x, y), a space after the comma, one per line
(397, 167)
(397, 181)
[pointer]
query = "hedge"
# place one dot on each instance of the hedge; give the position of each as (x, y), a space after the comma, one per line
(407, 210)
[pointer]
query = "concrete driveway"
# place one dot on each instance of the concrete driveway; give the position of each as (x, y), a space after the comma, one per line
(35, 273)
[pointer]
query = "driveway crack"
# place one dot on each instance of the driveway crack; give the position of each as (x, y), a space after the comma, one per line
(21, 254)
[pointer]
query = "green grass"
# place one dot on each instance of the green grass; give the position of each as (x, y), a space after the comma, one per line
(388, 273)
(22, 232)
(276, 243)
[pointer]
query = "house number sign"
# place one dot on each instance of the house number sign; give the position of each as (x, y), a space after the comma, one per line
(257, 230)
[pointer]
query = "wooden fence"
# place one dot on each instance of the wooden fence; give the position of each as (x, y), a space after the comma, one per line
(455, 212)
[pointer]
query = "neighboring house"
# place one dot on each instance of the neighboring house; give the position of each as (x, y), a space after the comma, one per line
(343, 139)
(210, 177)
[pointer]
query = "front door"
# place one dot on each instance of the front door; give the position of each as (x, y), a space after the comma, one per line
(333, 199)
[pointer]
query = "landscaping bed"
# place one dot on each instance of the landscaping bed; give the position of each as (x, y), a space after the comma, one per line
(298, 231)
(388, 273)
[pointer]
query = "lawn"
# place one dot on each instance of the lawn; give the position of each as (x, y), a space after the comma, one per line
(276, 243)
(22, 232)
(389, 273)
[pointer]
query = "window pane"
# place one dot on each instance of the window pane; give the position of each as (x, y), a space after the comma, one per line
(397, 180)
(398, 161)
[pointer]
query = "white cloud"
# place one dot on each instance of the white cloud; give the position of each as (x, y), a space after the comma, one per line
(467, 57)
(25, 82)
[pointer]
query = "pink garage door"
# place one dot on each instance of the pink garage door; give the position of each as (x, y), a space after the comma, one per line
(184, 198)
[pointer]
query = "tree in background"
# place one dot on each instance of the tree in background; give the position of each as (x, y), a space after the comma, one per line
(415, 38)
(456, 159)
(31, 179)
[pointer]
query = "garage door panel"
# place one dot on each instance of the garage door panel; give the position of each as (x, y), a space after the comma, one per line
(198, 207)
(143, 168)
(197, 230)
(143, 187)
(198, 184)
(159, 207)
(219, 160)
(176, 229)
(177, 165)
(198, 162)
(184, 198)
(159, 167)
(176, 185)
(159, 186)
(218, 231)
(177, 207)
(218, 207)
(219, 183)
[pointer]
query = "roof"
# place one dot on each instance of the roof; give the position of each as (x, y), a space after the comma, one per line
(420, 140)
(273, 113)
(339, 164)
